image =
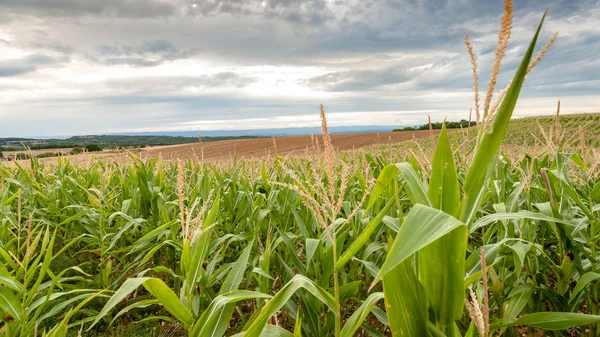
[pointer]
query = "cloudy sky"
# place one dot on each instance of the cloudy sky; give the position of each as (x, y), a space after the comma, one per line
(98, 66)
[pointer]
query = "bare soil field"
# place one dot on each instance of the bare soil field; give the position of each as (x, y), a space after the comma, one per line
(243, 148)
(283, 146)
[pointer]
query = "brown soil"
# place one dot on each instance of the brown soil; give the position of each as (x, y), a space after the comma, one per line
(261, 147)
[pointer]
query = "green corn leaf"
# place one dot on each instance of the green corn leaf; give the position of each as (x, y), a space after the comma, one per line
(554, 320)
(387, 175)
(198, 252)
(45, 265)
(355, 321)
(441, 264)
(583, 281)
(422, 226)
(567, 186)
(298, 325)
(492, 137)
(414, 185)
(297, 282)
(269, 331)
(139, 304)
(492, 218)
(156, 287)
(518, 299)
(364, 237)
(11, 283)
(169, 300)
(444, 192)
(60, 330)
(211, 217)
(311, 247)
(215, 320)
(405, 301)
(10, 304)
(237, 271)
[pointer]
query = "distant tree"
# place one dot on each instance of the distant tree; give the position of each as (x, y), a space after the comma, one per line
(22, 156)
(408, 128)
(93, 148)
(76, 150)
(438, 125)
(48, 155)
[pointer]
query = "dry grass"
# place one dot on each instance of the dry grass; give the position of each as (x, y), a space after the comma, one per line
(475, 78)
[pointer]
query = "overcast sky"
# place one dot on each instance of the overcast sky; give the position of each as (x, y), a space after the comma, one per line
(98, 66)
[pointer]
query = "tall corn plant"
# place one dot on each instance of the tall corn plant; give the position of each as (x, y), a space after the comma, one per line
(424, 273)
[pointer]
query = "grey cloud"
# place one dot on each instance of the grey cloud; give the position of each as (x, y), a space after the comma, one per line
(69, 8)
(28, 64)
(409, 73)
(175, 85)
(359, 80)
(299, 11)
(360, 46)
(146, 54)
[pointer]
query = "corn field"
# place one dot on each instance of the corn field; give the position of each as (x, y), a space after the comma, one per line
(466, 243)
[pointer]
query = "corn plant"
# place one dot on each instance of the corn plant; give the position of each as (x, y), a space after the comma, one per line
(466, 238)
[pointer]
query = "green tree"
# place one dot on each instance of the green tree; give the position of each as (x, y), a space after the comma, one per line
(93, 148)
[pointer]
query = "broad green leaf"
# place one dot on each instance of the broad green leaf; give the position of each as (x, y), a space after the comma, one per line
(297, 282)
(215, 320)
(422, 226)
(489, 219)
(157, 288)
(11, 283)
(414, 185)
(441, 264)
(518, 299)
(169, 300)
(444, 192)
(405, 301)
(583, 281)
(237, 271)
(10, 304)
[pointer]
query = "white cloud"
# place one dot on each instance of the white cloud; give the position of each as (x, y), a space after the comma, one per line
(94, 67)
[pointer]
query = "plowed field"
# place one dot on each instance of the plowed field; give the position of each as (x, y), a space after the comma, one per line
(283, 146)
